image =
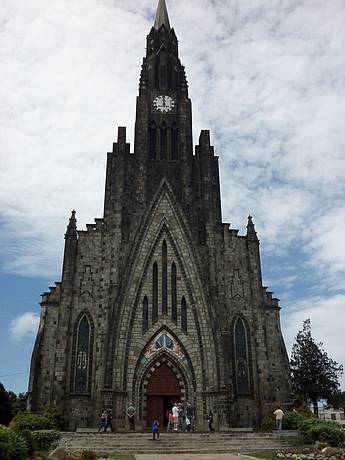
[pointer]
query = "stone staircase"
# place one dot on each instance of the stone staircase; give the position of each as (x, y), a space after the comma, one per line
(174, 443)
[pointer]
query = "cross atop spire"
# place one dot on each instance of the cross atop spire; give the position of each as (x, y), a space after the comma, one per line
(162, 17)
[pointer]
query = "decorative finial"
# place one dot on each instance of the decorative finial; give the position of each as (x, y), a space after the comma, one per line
(72, 225)
(162, 18)
(251, 233)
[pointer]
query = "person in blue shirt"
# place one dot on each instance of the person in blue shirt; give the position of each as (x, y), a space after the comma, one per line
(155, 429)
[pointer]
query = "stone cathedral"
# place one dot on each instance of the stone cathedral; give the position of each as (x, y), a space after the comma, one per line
(160, 301)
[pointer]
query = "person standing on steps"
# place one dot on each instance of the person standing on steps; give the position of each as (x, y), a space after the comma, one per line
(155, 429)
(181, 418)
(170, 426)
(279, 418)
(131, 416)
(190, 416)
(103, 422)
(109, 419)
(175, 415)
(210, 422)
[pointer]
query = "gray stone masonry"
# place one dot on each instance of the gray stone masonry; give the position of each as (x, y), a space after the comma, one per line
(104, 330)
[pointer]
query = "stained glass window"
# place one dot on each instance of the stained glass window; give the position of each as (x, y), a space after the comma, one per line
(145, 314)
(184, 314)
(241, 357)
(173, 292)
(164, 278)
(82, 356)
(155, 292)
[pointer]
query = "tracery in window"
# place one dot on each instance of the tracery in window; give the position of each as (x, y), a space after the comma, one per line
(163, 341)
(82, 367)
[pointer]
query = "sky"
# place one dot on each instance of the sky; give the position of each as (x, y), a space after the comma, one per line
(267, 77)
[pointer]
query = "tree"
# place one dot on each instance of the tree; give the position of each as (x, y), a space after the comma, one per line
(18, 402)
(337, 400)
(314, 375)
(5, 406)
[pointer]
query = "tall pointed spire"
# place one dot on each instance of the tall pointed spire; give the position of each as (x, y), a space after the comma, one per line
(162, 17)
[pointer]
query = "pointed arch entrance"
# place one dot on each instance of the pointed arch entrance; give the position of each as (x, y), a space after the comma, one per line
(163, 390)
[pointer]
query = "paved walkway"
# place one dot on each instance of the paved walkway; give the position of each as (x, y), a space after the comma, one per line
(190, 457)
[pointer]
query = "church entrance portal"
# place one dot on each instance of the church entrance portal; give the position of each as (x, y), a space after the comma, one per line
(163, 390)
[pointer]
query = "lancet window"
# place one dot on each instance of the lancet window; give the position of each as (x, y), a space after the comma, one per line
(145, 314)
(164, 278)
(174, 142)
(153, 141)
(155, 292)
(82, 356)
(173, 292)
(241, 357)
(164, 142)
(184, 314)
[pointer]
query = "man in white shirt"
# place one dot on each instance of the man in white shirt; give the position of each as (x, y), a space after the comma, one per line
(279, 419)
(175, 413)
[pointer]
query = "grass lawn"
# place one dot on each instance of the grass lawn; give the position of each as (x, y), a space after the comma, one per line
(271, 454)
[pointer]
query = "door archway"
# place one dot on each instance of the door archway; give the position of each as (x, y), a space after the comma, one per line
(163, 390)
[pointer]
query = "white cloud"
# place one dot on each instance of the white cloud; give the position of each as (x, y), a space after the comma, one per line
(262, 76)
(24, 327)
(327, 315)
(267, 77)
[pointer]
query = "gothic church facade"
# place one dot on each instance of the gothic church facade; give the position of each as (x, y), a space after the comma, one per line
(159, 300)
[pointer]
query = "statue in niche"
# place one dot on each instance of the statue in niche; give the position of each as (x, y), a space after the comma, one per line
(236, 285)
(86, 284)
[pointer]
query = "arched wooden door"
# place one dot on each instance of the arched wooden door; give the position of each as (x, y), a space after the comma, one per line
(163, 390)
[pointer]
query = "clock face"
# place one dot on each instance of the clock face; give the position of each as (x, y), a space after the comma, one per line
(163, 104)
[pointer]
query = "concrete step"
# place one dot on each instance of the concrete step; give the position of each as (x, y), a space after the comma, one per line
(177, 443)
(177, 436)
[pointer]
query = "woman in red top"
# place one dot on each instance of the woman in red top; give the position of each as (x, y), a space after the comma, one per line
(170, 426)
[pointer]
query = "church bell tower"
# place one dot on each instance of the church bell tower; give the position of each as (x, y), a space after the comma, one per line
(163, 121)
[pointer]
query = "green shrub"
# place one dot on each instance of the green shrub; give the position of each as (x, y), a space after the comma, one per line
(329, 432)
(45, 439)
(304, 426)
(55, 417)
(321, 430)
(27, 421)
(268, 422)
(88, 455)
(12, 446)
(27, 436)
(305, 411)
(291, 420)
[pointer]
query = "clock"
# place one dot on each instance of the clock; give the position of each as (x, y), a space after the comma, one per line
(163, 104)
